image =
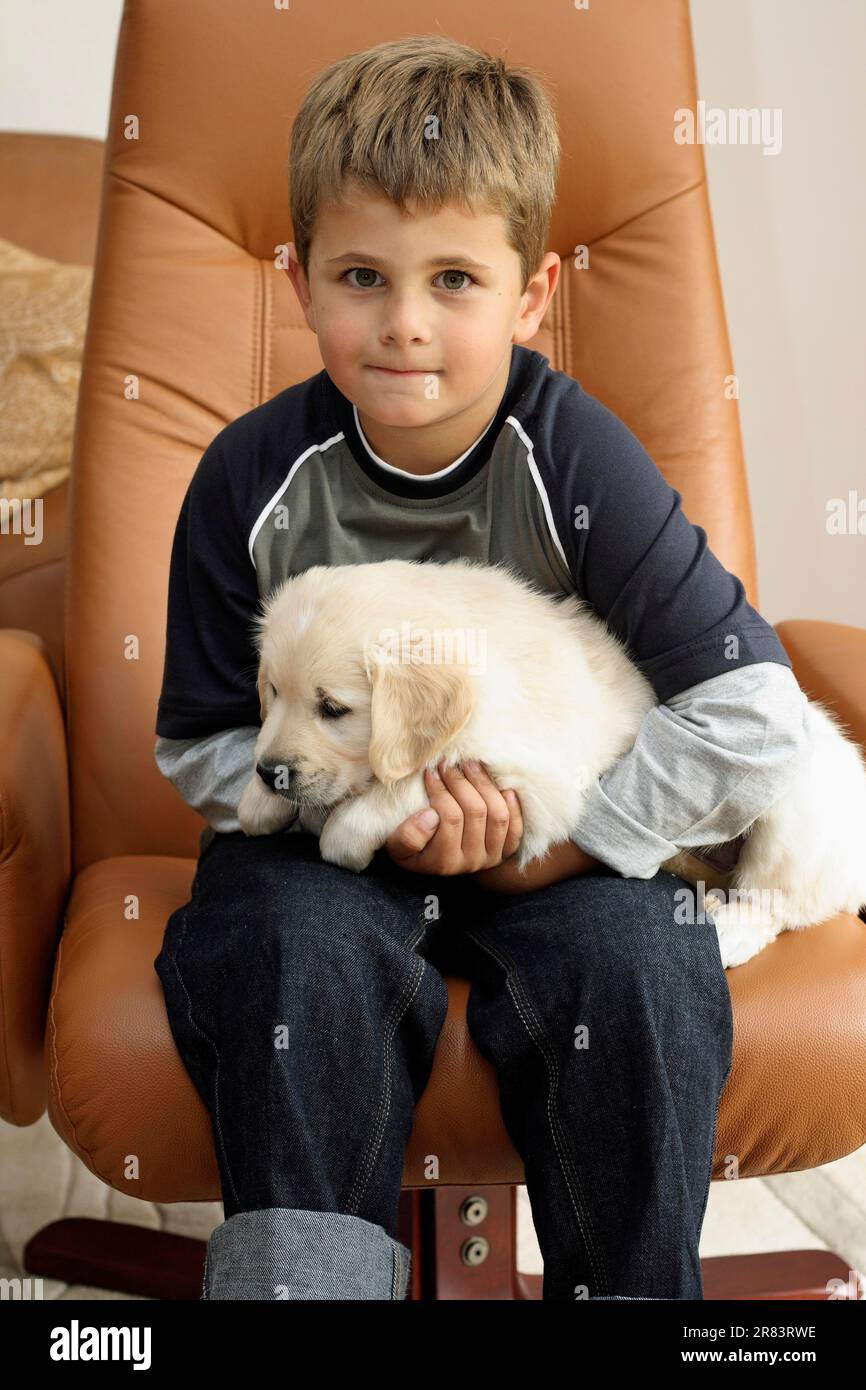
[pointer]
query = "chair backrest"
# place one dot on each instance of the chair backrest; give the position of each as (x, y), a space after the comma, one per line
(192, 325)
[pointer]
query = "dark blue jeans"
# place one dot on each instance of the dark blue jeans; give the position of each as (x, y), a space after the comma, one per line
(306, 1002)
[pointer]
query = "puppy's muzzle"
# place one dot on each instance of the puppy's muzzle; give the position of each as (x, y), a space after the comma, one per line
(287, 774)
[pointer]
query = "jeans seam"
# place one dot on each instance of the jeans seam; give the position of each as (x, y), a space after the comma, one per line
(392, 1024)
(173, 957)
(397, 1272)
(567, 1166)
(205, 1274)
(411, 941)
(713, 1143)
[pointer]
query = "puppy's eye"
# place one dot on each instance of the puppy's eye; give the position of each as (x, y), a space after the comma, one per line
(274, 692)
(329, 710)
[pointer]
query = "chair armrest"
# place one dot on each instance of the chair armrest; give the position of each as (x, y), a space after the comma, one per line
(829, 661)
(35, 865)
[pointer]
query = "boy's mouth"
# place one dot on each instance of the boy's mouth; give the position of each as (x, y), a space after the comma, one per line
(393, 372)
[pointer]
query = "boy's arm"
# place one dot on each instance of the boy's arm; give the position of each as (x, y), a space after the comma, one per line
(210, 773)
(724, 741)
(208, 715)
(704, 766)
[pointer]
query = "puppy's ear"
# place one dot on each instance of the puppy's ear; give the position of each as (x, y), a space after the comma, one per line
(264, 694)
(417, 708)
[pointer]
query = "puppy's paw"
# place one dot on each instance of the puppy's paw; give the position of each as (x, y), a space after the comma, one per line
(742, 929)
(263, 812)
(341, 843)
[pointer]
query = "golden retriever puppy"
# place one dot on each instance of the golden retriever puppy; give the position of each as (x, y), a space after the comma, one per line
(371, 673)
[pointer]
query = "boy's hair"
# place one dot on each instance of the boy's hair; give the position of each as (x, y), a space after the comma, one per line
(367, 118)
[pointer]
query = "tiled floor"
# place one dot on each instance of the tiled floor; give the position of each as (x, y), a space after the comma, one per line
(42, 1181)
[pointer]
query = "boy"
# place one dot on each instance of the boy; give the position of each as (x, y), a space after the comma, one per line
(423, 176)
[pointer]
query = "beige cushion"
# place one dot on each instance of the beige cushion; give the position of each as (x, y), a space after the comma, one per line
(43, 316)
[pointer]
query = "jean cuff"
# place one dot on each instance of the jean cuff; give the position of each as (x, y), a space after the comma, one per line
(284, 1253)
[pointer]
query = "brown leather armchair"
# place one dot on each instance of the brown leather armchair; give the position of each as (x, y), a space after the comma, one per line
(98, 849)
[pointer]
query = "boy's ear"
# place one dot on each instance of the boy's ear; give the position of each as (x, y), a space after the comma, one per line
(301, 286)
(417, 709)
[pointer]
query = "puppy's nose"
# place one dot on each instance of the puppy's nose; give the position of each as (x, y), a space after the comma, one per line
(269, 772)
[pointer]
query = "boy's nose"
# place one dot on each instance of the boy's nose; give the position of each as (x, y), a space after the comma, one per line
(270, 771)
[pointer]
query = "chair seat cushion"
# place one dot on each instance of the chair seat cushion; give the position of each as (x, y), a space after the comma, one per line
(122, 1100)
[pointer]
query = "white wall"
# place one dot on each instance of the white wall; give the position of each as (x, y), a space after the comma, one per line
(788, 229)
(57, 64)
(789, 232)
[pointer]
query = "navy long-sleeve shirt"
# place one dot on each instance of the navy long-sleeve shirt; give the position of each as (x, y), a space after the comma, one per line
(556, 486)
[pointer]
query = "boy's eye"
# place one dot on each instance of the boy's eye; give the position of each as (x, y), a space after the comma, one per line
(368, 270)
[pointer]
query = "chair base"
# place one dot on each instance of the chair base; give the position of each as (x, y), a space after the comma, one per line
(118, 1256)
(442, 1229)
(463, 1243)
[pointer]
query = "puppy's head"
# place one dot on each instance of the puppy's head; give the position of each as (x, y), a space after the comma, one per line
(339, 707)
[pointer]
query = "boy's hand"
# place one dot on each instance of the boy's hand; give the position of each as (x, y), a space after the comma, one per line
(562, 860)
(479, 826)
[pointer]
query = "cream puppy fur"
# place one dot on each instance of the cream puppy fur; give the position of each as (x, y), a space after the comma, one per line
(371, 673)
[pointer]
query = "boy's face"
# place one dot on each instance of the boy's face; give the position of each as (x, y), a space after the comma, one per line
(391, 307)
